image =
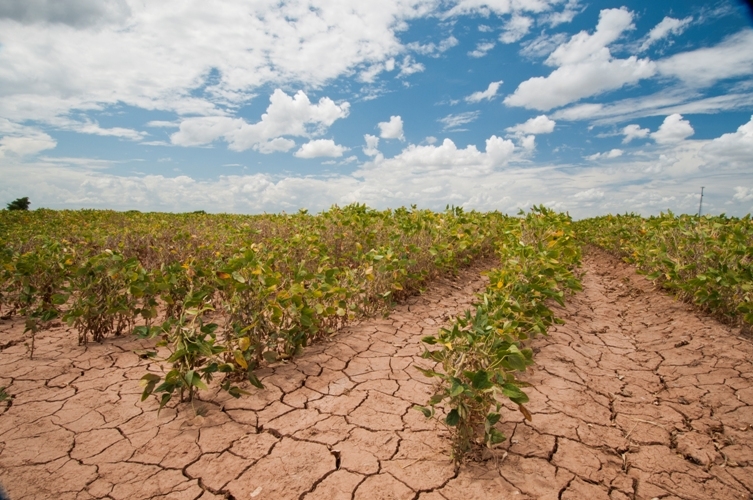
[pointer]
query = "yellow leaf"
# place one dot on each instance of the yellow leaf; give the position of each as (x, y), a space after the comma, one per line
(241, 360)
(222, 275)
(244, 343)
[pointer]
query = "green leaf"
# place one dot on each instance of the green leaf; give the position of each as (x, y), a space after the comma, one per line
(197, 382)
(457, 388)
(148, 382)
(427, 372)
(514, 393)
(452, 418)
(480, 380)
(428, 412)
(255, 380)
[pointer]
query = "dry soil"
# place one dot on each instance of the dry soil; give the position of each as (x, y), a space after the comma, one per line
(636, 397)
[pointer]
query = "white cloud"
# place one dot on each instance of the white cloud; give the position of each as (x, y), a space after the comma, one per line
(528, 142)
(409, 66)
(481, 49)
(673, 129)
(320, 147)
(91, 127)
(285, 115)
(582, 46)
(279, 144)
(487, 94)
(516, 28)
(432, 49)
(162, 124)
(421, 160)
(543, 45)
(431, 176)
(586, 67)
(25, 145)
(566, 15)
(731, 58)
(499, 7)
(665, 102)
(634, 131)
(614, 153)
(589, 194)
(392, 129)
(743, 193)
(735, 148)
(430, 139)
(538, 125)
(372, 145)
(453, 121)
(57, 57)
(668, 26)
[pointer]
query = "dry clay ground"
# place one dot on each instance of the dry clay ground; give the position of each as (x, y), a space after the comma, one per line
(635, 397)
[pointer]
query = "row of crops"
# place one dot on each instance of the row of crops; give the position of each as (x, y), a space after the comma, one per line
(225, 293)
(704, 260)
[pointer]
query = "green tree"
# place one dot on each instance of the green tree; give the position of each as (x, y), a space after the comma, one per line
(19, 204)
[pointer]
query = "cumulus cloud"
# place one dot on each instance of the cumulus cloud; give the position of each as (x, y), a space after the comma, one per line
(516, 28)
(372, 145)
(499, 7)
(320, 147)
(409, 66)
(668, 26)
(430, 159)
(392, 129)
(487, 94)
(743, 194)
(279, 144)
(285, 115)
(634, 131)
(734, 148)
(566, 15)
(585, 67)
(673, 129)
(226, 52)
(453, 121)
(432, 49)
(589, 194)
(614, 153)
(481, 49)
(25, 145)
(538, 125)
(703, 67)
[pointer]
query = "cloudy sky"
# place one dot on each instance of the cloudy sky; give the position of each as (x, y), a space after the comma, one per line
(272, 105)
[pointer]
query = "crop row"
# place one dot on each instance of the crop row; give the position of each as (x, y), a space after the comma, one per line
(479, 354)
(705, 260)
(225, 293)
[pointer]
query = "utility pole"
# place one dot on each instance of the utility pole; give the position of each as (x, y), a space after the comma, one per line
(700, 205)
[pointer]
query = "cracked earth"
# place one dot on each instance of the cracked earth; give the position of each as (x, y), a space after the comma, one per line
(635, 397)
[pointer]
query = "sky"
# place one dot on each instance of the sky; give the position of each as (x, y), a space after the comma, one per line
(277, 105)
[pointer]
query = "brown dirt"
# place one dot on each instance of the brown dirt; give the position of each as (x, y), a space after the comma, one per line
(635, 397)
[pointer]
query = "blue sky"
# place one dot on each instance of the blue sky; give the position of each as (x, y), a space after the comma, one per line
(589, 107)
